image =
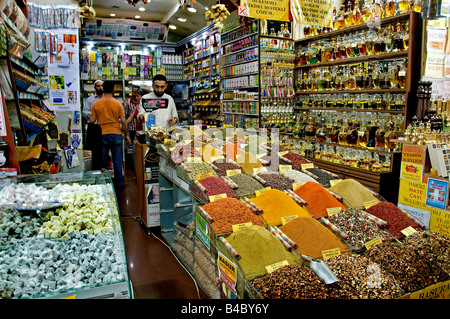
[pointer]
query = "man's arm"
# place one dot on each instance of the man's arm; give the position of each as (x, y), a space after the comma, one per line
(93, 116)
(125, 127)
(173, 112)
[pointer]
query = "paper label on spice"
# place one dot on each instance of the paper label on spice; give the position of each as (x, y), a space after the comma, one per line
(329, 253)
(287, 219)
(216, 197)
(408, 231)
(297, 185)
(238, 227)
(437, 291)
(231, 172)
(258, 170)
(260, 191)
(333, 210)
(284, 167)
(155, 127)
(335, 181)
(370, 203)
(282, 153)
(372, 243)
(205, 175)
(309, 165)
(167, 140)
(272, 267)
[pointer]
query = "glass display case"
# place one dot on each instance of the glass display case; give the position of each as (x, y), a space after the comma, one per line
(61, 237)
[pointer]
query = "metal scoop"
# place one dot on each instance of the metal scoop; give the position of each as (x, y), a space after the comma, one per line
(321, 269)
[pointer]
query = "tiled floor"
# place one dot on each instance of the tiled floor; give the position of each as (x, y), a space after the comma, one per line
(154, 271)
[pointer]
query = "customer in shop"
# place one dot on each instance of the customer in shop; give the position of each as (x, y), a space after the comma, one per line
(93, 130)
(131, 111)
(110, 115)
(164, 118)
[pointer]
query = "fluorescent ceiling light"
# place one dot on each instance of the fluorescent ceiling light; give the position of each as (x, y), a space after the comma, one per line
(112, 14)
(172, 27)
(192, 9)
(141, 9)
(182, 19)
(137, 17)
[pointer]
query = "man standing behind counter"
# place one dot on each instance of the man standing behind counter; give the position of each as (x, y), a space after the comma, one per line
(94, 132)
(110, 115)
(164, 118)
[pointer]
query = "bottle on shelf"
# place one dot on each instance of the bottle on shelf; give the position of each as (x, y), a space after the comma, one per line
(377, 10)
(397, 43)
(417, 6)
(356, 15)
(348, 14)
(402, 74)
(404, 6)
(366, 11)
(341, 18)
(406, 36)
(390, 8)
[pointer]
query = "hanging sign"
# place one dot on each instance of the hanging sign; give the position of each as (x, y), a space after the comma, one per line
(265, 9)
(313, 12)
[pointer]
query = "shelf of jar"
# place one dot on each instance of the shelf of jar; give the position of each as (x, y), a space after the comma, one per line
(247, 114)
(366, 58)
(353, 91)
(347, 109)
(373, 150)
(275, 37)
(241, 38)
(346, 169)
(381, 22)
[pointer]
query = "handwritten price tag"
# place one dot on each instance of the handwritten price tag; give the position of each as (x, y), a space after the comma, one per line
(297, 185)
(275, 266)
(238, 227)
(284, 167)
(372, 243)
(333, 210)
(408, 231)
(305, 166)
(213, 198)
(329, 253)
(231, 172)
(287, 219)
(202, 176)
(370, 203)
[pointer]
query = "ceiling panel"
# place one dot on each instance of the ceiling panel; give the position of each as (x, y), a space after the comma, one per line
(164, 11)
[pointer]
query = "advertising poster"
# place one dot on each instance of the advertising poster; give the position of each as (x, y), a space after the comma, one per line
(277, 10)
(313, 12)
(411, 171)
(437, 193)
(64, 70)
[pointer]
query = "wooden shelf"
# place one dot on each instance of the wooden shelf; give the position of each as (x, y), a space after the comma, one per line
(389, 20)
(385, 56)
(347, 110)
(352, 91)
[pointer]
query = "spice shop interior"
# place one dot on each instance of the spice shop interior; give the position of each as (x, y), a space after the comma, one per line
(232, 149)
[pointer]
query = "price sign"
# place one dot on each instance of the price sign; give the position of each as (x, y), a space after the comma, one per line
(335, 181)
(297, 185)
(305, 166)
(216, 197)
(231, 172)
(287, 219)
(408, 231)
(284, 167)
(372, 243)
(275, 266)
(329, 253)
(260, 191)
(333, 210)
(202, 176)
(370, 203)
(238, 227)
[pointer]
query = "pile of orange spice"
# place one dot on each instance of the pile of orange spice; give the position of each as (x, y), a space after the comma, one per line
(227, 212)
(318, 198)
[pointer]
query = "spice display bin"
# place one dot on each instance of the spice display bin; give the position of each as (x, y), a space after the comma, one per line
(195, 189)
(206, 233)
(65, 187)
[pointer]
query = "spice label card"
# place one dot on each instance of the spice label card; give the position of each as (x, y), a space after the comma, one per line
(372, 243)
(238, 227)
(408, 231)
(216, 197)
(275, 266)
(305, 166)
(329, 253)
(287, 219)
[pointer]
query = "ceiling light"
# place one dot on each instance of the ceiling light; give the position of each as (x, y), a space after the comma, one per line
(206, 8)
(171, 26)
(141, 9)
(137, 17)
(182, 19)
(192, 9)
(112, 14)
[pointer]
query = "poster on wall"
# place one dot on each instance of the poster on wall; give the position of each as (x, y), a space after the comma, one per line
(277, 10)
(437, 193)
(64, 70)
(313, 12)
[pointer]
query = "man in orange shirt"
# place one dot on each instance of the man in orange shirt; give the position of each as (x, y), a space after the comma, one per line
(110, 115)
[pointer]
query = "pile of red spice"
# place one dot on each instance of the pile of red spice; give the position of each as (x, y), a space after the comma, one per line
(395, 218)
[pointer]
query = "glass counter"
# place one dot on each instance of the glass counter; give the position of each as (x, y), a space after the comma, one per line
(72, 251)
